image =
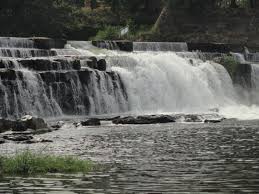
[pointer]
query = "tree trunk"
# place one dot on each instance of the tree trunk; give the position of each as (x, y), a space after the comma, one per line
(161, 18)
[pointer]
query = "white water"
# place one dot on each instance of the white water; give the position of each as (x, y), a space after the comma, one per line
(160, 46)
(166, 82)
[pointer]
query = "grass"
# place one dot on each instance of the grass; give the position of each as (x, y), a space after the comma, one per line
(28, 163)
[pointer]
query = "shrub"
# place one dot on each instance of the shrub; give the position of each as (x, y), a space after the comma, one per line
(108, 33)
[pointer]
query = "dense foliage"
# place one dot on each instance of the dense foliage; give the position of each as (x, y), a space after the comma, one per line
(38, 18)
(70, 18)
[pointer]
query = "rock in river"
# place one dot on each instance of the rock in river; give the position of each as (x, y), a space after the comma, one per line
(91, 122)
(26, 122)
(149, 119)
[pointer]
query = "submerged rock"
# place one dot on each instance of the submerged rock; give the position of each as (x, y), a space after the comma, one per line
(149, 119)
(214, 120)
(91, 122)
(58, 125)
(33, 141)
(18, 138)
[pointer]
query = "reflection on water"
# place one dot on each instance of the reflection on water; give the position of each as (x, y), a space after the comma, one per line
(171, 158)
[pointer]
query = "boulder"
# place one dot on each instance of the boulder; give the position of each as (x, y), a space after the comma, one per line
(150, 119)
(91, 122)
(102, 65)
(27, 122)
(6, 125)
(92, 63)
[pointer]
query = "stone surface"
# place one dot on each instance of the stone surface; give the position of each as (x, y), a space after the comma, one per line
(101, 65)
(152, 119)
(91, 122)
(48, 43)
(18, 138)
(23, 124)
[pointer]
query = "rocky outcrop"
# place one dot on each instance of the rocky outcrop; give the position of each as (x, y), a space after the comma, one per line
(140, 120)
(23, 124)
(91, 122)
(156, 119)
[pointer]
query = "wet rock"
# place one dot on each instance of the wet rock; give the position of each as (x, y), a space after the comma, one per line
(91, 122)
(6, 125)
(2, 141)
(122, 45)
(93, 62)
(102, 65)
(214, 120)
(152, 119)
(34, 122)
(48, 43)
(17, 138)
(8, 74)
(42, 131)
(77, 124)
(48, 64)
(193, 118)
(27, 122)
(33, 141)
(58, 125)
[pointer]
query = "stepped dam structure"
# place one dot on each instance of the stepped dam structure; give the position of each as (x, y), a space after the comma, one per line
(51, 78)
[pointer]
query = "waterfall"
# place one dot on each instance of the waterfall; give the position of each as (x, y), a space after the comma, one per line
(57, 82)
(54, 82)
(13, 42)
(166, 82)
(255, 83)
(160, 46)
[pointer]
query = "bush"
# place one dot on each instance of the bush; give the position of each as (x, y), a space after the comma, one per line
(28, 163)
(108, 33)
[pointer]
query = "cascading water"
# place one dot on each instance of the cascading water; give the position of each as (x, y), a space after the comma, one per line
(59, 81)
(255, 83)
(160, 46)
(168, 83)
(54, 82)
(159, 82)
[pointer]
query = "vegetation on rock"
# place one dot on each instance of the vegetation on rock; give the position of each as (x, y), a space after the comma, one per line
(229, 63)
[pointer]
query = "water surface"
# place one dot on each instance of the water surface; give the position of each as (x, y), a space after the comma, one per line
(168, 158)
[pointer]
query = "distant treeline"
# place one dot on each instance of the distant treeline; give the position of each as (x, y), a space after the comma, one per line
(67, 18)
